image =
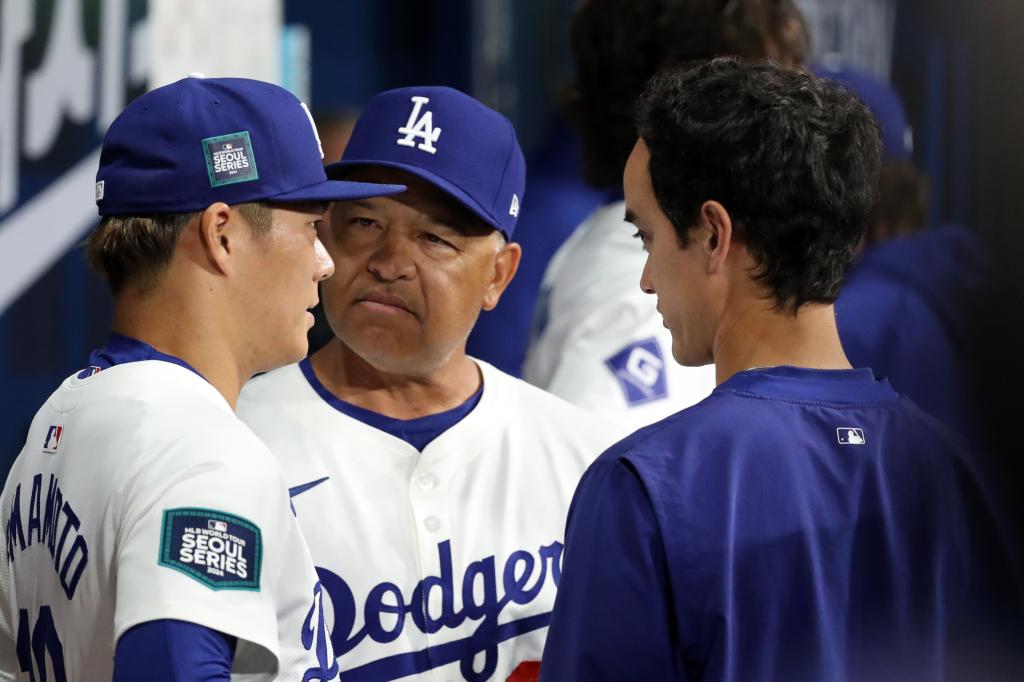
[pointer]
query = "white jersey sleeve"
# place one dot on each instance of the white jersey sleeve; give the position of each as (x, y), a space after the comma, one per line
(598, 340)
(140, 496)
(215, 514)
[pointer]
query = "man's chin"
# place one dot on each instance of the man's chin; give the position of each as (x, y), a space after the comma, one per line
(388, 354)
(298, 352)
(688, 358)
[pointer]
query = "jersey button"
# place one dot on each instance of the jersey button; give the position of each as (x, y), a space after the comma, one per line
(426, 481)
(432, 523)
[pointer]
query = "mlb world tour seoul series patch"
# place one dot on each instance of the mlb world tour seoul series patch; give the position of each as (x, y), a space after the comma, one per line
(229, 159)
(220, 550)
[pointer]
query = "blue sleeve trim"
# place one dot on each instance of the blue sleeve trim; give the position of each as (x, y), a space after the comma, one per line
(173, 651)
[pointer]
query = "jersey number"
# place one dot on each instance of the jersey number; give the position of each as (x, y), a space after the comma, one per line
(34, 645)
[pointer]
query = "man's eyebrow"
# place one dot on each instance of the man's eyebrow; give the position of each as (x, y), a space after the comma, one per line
(630, 217)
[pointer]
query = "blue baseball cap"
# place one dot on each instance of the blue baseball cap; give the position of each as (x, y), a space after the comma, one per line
(883, 101)
(449, 139)
(184, 146)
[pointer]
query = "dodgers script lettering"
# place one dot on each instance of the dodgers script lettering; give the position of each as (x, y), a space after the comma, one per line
(387, 610)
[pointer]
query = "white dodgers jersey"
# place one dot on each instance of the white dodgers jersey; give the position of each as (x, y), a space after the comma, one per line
(140, 496)
(440, 564)
(598, 339)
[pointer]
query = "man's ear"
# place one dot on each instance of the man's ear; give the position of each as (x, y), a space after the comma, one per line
(506, 262)
(218, 236)
(717, 231)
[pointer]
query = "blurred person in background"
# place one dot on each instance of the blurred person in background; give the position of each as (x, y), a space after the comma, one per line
(909, 309)
(559, 201)
(598, 340)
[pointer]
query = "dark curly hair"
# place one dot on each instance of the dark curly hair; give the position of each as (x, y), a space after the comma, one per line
(619, 44)
(794, 159)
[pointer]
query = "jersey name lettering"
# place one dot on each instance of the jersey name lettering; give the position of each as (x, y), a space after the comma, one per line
(50, 523)
(386, 607)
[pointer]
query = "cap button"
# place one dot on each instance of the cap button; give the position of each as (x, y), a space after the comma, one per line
(197, 74)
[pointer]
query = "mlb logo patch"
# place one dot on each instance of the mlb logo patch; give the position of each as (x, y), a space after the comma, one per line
(229, 159)
(217, 549)
(88, 372)
(849, 435)
(53, 438)
(640, 371)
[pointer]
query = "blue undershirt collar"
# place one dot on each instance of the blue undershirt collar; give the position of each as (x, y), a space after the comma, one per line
(818, 385)
(121, 349)
(418, 432)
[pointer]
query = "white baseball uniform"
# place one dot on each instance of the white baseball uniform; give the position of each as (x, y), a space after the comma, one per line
(598, 340)
(441, 563)
(140, 496)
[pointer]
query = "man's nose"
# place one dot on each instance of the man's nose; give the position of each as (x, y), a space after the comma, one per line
(392, 260)
(324, 262)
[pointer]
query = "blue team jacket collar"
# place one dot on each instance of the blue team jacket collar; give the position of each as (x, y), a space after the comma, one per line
(802, 383)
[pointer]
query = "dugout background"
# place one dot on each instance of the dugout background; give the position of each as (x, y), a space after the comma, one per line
(959, 67)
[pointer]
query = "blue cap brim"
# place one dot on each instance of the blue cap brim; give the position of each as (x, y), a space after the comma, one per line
(338, 190)
(334, 169)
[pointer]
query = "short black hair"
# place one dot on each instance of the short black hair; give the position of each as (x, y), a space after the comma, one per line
(617, 45)
(794, 159)
(134, 251)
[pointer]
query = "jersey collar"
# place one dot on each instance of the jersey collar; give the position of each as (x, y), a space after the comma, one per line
(418, 432)
(121, 349)
(818, 385)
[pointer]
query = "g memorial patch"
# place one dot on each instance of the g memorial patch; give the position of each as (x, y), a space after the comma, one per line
(220, 550)
(229, 159)
(640, 370)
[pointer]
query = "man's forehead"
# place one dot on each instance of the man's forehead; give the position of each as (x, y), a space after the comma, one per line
(635, 178)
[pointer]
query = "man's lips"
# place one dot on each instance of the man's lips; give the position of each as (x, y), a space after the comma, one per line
(384, 301)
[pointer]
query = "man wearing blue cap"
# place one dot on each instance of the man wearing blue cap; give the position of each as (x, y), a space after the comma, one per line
(431, 487)
(149, 534)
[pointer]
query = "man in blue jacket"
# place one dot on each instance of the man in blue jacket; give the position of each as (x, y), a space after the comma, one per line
(805, 521)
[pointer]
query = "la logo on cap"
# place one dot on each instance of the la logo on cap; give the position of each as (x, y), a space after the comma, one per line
(420, 126)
